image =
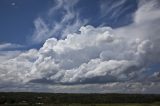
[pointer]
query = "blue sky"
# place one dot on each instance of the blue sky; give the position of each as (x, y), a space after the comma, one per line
(17, 17)
(80, 46)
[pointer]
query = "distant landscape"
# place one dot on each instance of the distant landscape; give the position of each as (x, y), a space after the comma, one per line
(60, 99)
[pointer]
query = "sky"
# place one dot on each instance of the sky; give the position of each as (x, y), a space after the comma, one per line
(80, 46)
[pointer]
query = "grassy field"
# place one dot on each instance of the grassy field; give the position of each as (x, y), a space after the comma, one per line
(117, 104)
(56, 99)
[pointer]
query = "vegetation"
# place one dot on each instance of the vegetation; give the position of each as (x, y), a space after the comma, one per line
(56, 99)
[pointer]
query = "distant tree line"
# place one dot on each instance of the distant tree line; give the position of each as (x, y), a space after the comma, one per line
(56, 98)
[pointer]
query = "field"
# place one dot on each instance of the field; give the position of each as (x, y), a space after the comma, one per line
(117, 104)
(56, 99)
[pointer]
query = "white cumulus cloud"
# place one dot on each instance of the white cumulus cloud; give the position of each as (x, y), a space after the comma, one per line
(111, 58)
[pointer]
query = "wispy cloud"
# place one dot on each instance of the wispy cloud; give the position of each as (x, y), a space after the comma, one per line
(112, 8)
(69, 22)
(148, 11)
(117, 11)
(8, 46)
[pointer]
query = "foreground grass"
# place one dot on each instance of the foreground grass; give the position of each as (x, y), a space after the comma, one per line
(59, 99)
(113, 104)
